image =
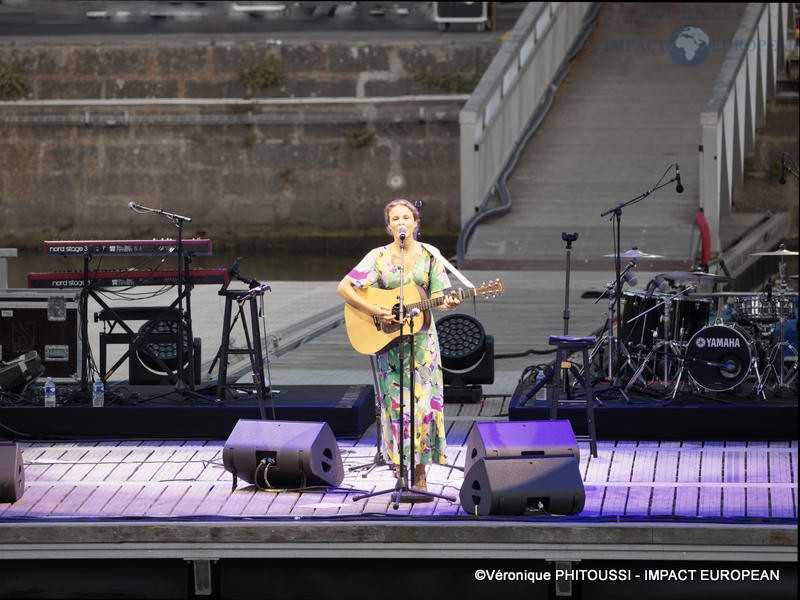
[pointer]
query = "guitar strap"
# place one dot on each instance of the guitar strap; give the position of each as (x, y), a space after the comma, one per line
(435, 251)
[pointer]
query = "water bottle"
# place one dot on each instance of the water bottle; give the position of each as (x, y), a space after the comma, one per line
(98, 392)
(541, 394)
(49, 393)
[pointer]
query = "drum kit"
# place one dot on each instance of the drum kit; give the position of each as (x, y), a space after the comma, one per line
(673, 336)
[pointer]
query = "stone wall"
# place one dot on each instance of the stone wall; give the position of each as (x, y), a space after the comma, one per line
(348, 128)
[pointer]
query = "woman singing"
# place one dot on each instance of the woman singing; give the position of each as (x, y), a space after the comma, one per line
(381, 268)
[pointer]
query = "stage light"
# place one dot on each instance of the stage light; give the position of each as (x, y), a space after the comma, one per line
(467, 357)
(144, 370)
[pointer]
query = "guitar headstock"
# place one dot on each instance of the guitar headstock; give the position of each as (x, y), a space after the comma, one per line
(490, 289)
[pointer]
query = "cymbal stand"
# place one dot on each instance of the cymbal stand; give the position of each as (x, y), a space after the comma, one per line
(784, 377)
(776, 366)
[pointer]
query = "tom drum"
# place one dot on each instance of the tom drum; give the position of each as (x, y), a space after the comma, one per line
(688, 315)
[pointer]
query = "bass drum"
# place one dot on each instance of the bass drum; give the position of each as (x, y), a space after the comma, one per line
(718, 357)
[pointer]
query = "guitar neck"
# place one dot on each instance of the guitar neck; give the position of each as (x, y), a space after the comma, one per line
(429, 303)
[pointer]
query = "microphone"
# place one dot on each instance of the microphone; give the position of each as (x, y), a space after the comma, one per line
(234, 270)
(678, 187)
(768, 291)
(729, 366)
(133, 205)
(651, 286)
(256, 291)
(628, 276)
(782, 175)
(402, 232)
(414, 312)
(661, 283)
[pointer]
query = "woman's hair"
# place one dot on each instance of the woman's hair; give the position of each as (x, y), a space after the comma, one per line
(407, 204)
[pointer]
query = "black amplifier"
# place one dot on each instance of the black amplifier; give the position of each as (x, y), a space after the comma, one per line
(46, 321)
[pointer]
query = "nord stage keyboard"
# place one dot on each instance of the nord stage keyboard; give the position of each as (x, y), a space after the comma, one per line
(74, 279)
(166, 247)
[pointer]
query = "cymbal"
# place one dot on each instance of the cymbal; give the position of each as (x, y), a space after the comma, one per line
(781, 252)
(695, 275)
(634, 253)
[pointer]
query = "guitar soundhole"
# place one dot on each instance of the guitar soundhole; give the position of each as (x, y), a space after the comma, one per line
(396, 311)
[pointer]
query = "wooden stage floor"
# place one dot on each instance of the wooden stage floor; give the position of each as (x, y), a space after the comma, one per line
(652, 501)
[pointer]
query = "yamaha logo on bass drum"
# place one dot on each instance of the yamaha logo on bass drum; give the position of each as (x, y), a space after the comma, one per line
(718, 342)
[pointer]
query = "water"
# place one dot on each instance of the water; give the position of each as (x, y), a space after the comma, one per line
(264, 267)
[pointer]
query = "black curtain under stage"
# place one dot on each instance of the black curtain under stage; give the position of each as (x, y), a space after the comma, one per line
(726, 416)
(159, 412)
(153, 412)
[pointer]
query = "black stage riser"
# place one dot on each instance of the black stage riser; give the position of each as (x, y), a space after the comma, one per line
(348, 410)
(657, 419)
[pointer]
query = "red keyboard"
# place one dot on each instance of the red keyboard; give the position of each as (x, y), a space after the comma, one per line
(193, 246)
(74, 279)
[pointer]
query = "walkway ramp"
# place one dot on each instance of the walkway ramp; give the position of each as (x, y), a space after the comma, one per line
(625, 115)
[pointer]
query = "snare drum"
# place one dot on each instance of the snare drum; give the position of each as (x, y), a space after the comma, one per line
(756, 309)
(718, 357)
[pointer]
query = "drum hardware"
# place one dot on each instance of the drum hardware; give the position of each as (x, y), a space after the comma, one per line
(671, 350)
(776, 357)
(610, 343)
(609, 339)
(777, 306)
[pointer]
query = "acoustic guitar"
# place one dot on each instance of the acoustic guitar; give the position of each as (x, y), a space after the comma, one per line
(369, 334)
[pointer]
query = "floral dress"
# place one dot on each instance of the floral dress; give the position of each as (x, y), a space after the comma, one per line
(377, 269)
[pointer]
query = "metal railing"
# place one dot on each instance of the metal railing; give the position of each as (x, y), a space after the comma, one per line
(514, 93)
(737, 106)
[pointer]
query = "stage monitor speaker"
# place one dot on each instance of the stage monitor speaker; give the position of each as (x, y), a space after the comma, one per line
(520, 438)
(12, 472)
(283, 454)
(523, 486)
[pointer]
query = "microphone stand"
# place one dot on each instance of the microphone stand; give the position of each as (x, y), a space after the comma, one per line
(616, 212)
(256, 359)
(178, 221)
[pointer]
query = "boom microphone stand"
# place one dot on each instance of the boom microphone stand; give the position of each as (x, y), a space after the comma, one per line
(616, 212)
(178, 221)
